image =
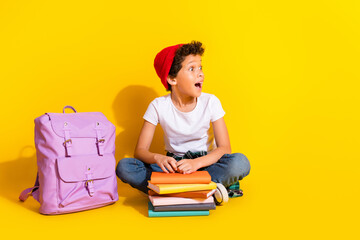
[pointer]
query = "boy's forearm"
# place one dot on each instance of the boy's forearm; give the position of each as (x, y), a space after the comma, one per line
(212, 157)
(145, 155)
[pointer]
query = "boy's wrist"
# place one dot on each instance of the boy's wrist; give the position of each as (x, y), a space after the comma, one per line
(156, 158)
(198, 163)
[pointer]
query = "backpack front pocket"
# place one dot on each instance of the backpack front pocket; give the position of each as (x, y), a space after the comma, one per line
(86, 180)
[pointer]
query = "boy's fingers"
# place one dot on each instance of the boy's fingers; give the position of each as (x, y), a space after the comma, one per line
(163, 168)
(181, 167)
(179, 163)
(169, 167)
(186, 171)
(173, 164)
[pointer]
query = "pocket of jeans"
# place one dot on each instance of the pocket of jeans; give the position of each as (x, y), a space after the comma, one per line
(86, 180)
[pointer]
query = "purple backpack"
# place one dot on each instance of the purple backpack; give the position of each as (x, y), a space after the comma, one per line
(76, 163)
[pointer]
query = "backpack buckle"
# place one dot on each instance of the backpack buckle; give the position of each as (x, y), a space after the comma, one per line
(88, 181)
(66, 142)
(89, 184)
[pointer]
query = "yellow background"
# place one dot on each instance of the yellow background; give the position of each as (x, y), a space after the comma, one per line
(286, 72)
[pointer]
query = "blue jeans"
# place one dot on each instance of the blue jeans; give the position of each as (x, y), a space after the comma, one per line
(229, 169)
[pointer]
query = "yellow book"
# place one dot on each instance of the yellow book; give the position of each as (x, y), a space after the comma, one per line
(176, 188)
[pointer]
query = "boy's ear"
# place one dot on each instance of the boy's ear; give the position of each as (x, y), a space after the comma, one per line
(171, 81)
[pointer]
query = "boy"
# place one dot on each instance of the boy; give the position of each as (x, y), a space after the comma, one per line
(185, 115)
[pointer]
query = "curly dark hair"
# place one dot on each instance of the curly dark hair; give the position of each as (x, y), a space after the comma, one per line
(193, 48)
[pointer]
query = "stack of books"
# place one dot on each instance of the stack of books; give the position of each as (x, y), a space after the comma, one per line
(176, 194)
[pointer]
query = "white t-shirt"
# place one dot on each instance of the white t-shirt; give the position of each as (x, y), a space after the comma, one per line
(186, 131)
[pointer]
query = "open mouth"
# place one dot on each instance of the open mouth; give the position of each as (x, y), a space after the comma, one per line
(198, 85)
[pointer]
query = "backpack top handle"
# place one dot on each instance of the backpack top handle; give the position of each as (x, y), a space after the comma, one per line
(69, 107)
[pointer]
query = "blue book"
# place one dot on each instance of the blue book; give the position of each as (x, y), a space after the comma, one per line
(152, 213)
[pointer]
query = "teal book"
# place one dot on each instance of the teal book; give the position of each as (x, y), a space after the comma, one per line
(152, 213)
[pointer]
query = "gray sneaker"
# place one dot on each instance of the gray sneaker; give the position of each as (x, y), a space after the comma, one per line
(235, 190)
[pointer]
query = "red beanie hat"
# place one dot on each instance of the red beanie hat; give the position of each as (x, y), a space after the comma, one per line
(163, 62)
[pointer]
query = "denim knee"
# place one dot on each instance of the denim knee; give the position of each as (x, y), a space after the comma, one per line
(134, 172)
(126, 170)
(239, 165)
(121, 168)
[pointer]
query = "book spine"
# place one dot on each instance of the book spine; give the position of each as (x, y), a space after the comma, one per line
(186, 207)
(162, 201)
(185, 188)
(178, 213)
(180, 181)
(191, 194)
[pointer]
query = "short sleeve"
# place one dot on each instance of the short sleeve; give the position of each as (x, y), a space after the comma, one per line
(217, 111)
(151, 114)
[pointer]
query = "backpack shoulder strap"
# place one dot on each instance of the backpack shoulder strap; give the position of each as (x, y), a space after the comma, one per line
(29, 191)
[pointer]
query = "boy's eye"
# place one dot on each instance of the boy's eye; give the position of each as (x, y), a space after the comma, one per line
(192, 68)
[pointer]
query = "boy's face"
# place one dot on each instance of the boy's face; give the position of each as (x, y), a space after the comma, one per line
(190, 78)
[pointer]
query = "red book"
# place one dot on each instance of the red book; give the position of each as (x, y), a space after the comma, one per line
(179, 178)
(194, 194)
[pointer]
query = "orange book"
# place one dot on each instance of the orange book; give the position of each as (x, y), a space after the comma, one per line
(194, 194)
(179, 178)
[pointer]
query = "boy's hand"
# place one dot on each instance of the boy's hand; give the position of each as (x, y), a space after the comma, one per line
(167, 164)
(186, 166)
